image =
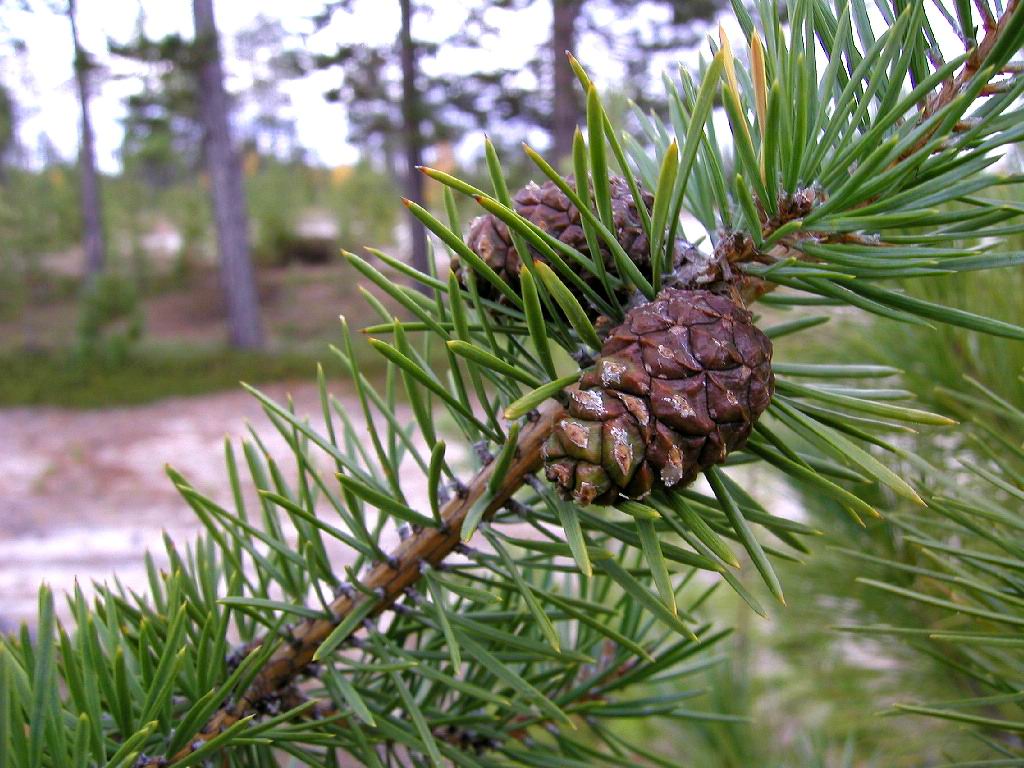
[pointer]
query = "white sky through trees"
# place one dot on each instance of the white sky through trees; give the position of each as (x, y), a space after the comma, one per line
(41, 81)
(41, 78)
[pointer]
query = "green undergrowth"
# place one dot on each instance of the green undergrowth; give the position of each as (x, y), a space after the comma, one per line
(149, 373)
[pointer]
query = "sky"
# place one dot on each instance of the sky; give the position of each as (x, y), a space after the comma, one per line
(46, 69)
(41, 79)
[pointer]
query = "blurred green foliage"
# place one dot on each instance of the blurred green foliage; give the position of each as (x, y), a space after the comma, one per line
(110, 320)
(104, 360)
(145, 374)
(6, 121)
(282, 194)
(938, 362)
(820, 696)
(39, 212)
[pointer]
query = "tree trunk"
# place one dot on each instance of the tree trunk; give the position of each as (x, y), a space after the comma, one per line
(91, 207)
(223, 166)
(414, 188)
(565, 104)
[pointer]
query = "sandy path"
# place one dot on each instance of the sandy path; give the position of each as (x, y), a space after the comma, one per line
(84, 493)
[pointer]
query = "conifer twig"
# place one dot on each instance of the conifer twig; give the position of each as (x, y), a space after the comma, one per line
(955, 85)
(386, 581)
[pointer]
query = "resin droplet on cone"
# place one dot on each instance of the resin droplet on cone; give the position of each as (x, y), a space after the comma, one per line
(679, 384)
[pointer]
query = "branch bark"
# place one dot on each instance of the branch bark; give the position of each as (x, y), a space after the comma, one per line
(387, 580)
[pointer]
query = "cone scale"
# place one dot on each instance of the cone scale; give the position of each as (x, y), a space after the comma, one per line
(548, 208)
(677, 387)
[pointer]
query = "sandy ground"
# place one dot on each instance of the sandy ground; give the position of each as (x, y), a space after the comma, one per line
(84, 493)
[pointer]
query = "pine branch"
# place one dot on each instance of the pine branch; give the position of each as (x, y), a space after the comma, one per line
(386, 582)
(994, 32)
(389, 580)
(739, 247)
(778, 240)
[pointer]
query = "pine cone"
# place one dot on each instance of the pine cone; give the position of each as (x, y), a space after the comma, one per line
(679, 384)
(550, 209)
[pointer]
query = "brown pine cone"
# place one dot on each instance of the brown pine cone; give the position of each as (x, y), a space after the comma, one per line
(549, 208)
(679, 384)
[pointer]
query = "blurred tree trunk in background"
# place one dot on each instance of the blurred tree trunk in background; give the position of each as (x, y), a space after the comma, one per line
(642, 34)
(225, 172)
(92, 218)
(413, 137)
(565, 102)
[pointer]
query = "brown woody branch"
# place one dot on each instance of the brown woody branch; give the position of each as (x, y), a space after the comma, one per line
(386, 580)
(953, 87)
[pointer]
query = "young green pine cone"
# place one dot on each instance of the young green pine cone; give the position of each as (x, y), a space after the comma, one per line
(679, 384)
(549, 208)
